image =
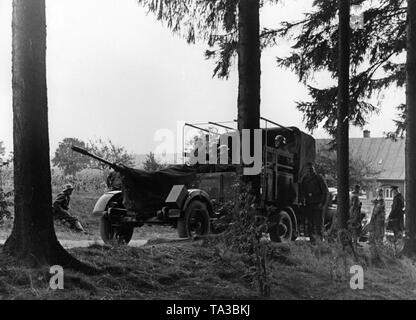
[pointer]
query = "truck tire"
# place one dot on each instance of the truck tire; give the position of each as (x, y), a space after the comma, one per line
(195, 221)
(282, 228)
(110, 234)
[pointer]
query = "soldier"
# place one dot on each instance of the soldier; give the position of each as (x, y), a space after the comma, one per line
(378, 217)
(395, 220)
(279, 141)
(354, 222)
(314, 193)
(61, 206)
(114, 181)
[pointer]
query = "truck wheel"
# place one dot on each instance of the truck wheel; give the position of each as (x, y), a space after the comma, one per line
(110, 234)
(282, 229)
(195, 221)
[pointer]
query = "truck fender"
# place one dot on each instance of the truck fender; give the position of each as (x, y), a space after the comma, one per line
(197, 194)
(101, 205)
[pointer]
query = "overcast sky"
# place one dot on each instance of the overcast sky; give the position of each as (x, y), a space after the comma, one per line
(115, 72)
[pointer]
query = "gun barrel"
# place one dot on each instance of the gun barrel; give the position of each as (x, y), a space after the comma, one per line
(89, 154)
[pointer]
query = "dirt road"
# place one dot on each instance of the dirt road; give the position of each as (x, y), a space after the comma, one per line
(68, 244)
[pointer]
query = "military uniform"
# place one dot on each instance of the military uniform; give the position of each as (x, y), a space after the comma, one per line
(354, 222)
(114, 181)
(314, 193)
(395, 221)
(377, 222)
(60, 211)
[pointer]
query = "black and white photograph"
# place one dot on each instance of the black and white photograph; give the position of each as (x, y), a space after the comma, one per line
(207, 155)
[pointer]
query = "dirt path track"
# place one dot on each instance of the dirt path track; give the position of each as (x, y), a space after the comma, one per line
(68, 244)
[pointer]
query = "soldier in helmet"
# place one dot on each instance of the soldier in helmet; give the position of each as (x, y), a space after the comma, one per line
(378, 217)
(61, 206)
(280, 142)
(395, 220)
(354, 222)
(314, 195)
(114, 181)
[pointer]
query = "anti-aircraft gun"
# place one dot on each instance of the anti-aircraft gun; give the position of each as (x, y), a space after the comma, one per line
(164, 196)
(188, 197)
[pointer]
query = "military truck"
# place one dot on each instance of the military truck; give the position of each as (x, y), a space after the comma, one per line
(282, 170)
(187, 196)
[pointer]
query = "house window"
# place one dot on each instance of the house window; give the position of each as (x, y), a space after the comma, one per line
(388, 194)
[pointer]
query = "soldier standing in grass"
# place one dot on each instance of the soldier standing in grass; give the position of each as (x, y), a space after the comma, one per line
(354, 222)
(395, 220)
(378, 217)
(61, 207)
(314, 194)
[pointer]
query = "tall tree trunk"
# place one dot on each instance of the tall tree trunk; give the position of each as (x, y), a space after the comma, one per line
(342, 115)
(249, 74)
(410, 243)
(33, 238)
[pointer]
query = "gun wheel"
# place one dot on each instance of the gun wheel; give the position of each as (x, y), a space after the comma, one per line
(282, 228)
(109, 234)
(195, 221)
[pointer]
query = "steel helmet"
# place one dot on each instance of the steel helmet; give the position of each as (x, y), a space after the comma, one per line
(68, 186)
(279, 140)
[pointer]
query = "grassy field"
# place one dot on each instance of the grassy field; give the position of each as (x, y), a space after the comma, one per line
(197, 270)
(167, 269)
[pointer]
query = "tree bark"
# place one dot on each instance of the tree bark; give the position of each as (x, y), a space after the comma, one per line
(410, 240)
(249, 71)
(33, 238)
(342, 115)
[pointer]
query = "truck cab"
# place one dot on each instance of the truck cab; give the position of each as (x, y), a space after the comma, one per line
(281, 174)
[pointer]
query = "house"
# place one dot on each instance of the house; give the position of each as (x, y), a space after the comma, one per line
(387, 157)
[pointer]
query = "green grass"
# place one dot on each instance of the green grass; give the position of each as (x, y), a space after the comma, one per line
(165, 271)
(195, 270)
(321, 272)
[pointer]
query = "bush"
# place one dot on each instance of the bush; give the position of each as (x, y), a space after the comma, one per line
(87, 180)
(6, 192)
(5, 203)
(245, 226)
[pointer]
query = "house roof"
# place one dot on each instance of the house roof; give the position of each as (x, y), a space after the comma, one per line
(385, 155)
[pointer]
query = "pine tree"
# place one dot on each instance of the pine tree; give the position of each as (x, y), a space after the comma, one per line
(33, 238)
(234, 26)
(374, 59)
(410, 243)
(342, 113)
